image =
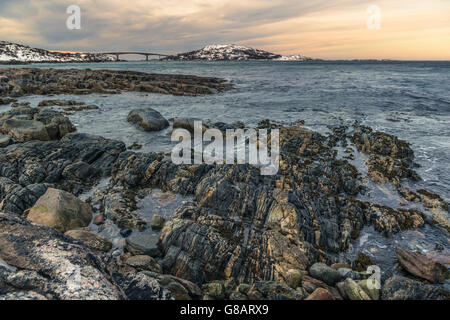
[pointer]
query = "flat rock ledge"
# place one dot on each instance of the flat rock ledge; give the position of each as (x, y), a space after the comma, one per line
(26, 81)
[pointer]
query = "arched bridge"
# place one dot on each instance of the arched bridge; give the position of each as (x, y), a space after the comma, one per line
(146, 54)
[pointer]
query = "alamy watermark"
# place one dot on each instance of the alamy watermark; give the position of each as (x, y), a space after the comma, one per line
(241, 147)
(73, 22)
(373, 21)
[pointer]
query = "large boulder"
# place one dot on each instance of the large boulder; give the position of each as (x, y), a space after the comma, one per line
(25, 130)
(422, 266)
(45, 263)
(148, 119)
(60, 210)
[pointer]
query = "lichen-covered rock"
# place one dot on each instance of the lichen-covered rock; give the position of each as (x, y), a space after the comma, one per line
(294, 277)
(372, 292)
(214, 290)
(142, 286)
(60, 210)
(353, 291)
(50, 264)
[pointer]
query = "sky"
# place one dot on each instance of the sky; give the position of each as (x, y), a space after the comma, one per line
(327, 29)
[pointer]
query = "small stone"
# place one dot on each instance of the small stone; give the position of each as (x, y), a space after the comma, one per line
(354, 291)
(157, 222)
(141, 243)
(373, 293)
(325, 273)
(98, 219)
(243, 288)
(238, 296)
(214, 289)
(125, 232)
(320, 294)
(294, 278)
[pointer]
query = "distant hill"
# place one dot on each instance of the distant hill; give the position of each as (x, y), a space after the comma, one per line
(232, 52)
(17, 53)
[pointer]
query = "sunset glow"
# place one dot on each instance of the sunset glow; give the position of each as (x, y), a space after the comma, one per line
(410, 30)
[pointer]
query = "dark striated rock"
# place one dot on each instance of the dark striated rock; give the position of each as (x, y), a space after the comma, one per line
(422, 266)
(401, 288)
(142, 286)
(252, 227)
(28, 169)
(391, 159)
(148, 119)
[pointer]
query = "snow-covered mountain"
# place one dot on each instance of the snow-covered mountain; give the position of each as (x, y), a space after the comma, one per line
(220, 52)
(17, 53)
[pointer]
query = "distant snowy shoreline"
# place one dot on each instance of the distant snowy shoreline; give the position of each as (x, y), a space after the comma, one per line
(13, 53)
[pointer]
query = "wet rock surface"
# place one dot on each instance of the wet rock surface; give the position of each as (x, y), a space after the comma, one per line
(148, 119)
(241, 235)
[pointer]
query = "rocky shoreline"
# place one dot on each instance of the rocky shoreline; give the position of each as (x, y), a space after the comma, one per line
(241, 236)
